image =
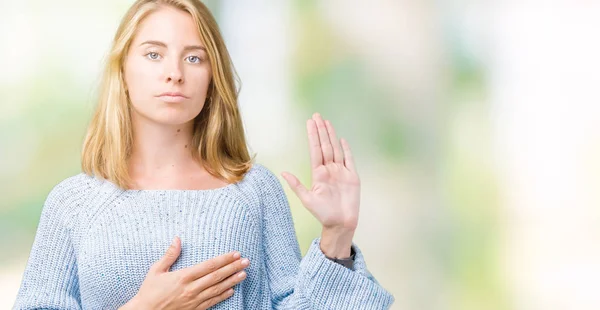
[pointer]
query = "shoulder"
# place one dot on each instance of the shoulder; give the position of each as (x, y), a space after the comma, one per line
(260, 171)
(263, 177)
(258, 182)
(72, 186)
(65, 197)
(266, 183)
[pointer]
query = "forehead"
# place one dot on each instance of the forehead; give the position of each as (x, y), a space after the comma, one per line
(170, 25)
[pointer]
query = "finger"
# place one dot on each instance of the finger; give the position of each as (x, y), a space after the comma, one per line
(316, 156)
(296, 186)
(338, 156)
(215, 300)
(326, 148)
(171, 255)
(209, 281)
(222, 286)
(348, 158)
(209, 266)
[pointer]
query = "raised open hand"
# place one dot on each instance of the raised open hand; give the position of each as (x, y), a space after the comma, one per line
(334, 197)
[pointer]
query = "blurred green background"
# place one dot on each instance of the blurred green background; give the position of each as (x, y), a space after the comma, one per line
(475, 132)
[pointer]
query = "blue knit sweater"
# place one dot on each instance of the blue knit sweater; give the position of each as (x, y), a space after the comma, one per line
(95, 243)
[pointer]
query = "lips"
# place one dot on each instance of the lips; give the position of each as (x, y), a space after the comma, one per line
(172, 97)
(174, 94)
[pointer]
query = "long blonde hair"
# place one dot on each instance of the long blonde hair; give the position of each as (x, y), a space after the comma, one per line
(218, 140)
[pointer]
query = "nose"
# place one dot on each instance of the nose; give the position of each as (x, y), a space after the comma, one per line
(177, 77)
(174, 74)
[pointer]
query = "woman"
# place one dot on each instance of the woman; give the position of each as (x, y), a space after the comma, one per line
(165, 158)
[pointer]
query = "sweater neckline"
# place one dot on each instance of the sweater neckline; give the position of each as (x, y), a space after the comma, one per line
(178, 191)
(189, 191)
(184, 191)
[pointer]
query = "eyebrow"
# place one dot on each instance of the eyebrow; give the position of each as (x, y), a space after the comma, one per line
(187, 48)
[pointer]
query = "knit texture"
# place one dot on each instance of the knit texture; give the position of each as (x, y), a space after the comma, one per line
(95, 243)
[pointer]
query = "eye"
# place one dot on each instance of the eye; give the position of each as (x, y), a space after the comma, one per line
(153, 55)
(194, 59)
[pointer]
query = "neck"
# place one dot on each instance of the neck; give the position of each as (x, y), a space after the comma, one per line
(159, 150)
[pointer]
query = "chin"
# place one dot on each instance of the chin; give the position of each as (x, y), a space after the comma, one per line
(173, 120)
(168, 118)
(172, 115)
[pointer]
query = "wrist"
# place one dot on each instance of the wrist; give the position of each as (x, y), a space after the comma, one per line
(336, 243)
(346, 262)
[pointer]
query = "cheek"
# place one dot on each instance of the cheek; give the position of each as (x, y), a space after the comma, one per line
(138, 77)
(199, 80)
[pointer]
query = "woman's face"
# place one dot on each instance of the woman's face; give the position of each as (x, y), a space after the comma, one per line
(167, 56)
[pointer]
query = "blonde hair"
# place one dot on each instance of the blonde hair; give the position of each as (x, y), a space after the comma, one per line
(218, 140)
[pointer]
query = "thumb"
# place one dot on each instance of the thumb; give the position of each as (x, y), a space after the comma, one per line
(296, 186)
(170, 256)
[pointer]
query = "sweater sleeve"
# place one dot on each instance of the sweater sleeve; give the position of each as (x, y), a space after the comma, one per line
(50, 277)
(312, 282)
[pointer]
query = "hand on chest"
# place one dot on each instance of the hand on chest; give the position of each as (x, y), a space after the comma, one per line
(125, 239)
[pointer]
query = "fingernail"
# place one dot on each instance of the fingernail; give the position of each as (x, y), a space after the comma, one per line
(174, 241)
(236, 255)
(245, 261)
